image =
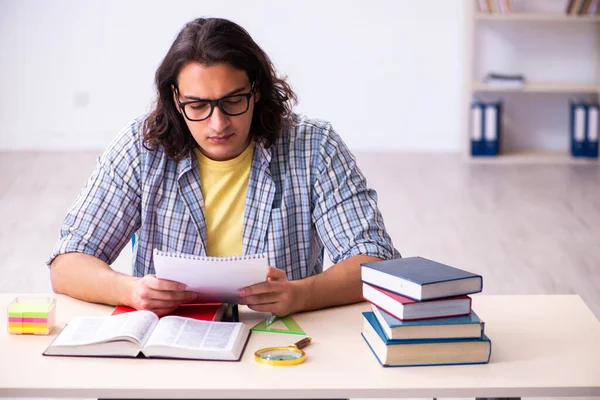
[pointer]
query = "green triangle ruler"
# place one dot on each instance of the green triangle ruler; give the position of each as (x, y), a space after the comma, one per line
(279, 325)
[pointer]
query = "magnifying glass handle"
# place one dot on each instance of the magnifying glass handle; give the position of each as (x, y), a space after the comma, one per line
(303, 343)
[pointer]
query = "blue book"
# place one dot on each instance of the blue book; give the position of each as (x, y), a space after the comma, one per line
(420, 279)
(466, 326)
(578, 117)
(592, 130)
(492, 129)
(477, 126)
(422, 352)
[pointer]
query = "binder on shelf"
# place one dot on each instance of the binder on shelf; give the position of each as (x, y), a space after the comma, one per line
(591, 142)
(578, 116)
(477, 110)
(491, 132)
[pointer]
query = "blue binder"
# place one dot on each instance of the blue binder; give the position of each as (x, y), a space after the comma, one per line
(592, 130)
(493, 128)
(578, 128)
(477, 127)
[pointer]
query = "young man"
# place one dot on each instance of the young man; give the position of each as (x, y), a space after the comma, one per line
(222, 167)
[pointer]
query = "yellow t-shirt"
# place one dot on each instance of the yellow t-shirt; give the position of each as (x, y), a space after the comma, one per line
(224, 188)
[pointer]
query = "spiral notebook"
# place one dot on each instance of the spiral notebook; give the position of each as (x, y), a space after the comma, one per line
(215, 279)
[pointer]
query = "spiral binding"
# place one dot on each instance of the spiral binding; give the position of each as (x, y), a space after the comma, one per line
(195, 257)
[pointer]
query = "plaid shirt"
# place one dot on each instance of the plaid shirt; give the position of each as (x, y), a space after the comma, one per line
(305, 193)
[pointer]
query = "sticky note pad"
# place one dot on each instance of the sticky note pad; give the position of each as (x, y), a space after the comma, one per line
(31, 315)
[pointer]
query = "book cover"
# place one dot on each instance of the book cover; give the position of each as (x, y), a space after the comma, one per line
(593, 129)
(199, 311)
(577, 121)
(423, 352)
(420, 279)
(434, 328)
(477, 127)
(405, 308)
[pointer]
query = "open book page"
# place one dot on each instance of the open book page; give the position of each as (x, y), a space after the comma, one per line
(188, 338)
(134, 326)
(185, 332)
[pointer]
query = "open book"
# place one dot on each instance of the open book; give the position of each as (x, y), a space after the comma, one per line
(142, 333)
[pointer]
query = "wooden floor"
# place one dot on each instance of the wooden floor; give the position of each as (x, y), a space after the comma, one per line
(528, 229)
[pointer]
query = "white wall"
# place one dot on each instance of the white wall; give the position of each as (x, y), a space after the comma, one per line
(73, 73)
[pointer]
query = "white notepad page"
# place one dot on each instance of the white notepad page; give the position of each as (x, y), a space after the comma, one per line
(215, 279)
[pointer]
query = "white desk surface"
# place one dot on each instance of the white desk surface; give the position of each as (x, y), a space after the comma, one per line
(542, 346)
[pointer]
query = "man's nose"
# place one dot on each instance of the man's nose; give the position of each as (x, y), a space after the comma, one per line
(218, 121)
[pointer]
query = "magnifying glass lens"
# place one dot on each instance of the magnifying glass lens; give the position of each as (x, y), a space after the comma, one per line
(280, 355)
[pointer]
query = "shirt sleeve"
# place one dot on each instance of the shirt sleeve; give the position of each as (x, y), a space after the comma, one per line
(346, 215)
(106, 212)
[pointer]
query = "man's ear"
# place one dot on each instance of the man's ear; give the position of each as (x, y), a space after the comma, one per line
(256, 94)
(175, 98)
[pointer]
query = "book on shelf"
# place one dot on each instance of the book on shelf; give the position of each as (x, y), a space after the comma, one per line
(582, 7)
(199, 311)
(498, 80)
(486, 128)
(143, 334)
(493, 6)
(422, 352)
(578, 127)
(420, 279)
(492, 128)
(464, 326)
(405, 308)
(592, 130)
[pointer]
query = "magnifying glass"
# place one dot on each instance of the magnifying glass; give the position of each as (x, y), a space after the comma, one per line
(284, 355)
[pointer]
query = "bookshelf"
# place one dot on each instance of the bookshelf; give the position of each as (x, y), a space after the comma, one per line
(546, 68)
(536, 16)
(542, 87)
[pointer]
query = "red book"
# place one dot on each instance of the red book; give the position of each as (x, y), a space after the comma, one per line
(202, 312)
(408, 309)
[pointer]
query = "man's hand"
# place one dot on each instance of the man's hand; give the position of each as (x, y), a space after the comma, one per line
(277, 295)
(158, 295)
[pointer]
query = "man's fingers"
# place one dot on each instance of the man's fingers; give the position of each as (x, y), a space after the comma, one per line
(265, 298)
(162, 284)
(276, 274)
(172, 296)
(260, 288)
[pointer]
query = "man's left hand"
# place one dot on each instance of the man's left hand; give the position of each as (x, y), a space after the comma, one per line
(277, 295)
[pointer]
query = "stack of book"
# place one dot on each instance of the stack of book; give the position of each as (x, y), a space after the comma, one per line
(421, 314)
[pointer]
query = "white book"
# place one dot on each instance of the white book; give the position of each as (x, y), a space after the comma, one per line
(129, 334)
(491, 120)
(593, 124)
(215, 279)
(476, 117)
(579, 133)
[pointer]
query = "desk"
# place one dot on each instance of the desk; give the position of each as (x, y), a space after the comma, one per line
(542, 346)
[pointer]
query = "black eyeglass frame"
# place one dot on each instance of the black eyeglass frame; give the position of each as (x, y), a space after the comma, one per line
(216, 103)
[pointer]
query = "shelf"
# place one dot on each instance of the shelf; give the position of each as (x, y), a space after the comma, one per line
(535, 158)
(541, 87)
(547, 17)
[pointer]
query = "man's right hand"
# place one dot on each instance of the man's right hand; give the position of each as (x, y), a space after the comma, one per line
(160, 296)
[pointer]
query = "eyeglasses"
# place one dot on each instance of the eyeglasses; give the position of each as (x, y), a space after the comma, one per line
(232, 105)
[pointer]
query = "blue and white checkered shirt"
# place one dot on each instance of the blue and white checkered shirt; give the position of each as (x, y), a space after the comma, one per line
(305, 192)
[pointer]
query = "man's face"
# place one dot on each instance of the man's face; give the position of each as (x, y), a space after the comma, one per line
(220, 137)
